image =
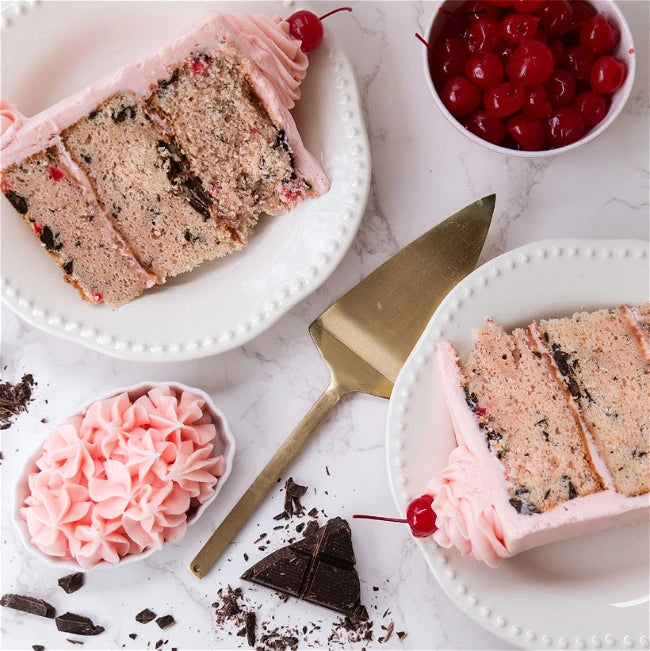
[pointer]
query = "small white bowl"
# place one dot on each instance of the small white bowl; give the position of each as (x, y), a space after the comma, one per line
(624, 51)
(224, 443)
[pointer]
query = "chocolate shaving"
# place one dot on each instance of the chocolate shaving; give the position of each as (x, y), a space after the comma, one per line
(72, 582)
(38, 647)
(29, 605)
(145, 616)
(133, 635)
(166, 621)
(14, 399)
(77, 625)
(69, 639)
(401, 635)
(250, 628)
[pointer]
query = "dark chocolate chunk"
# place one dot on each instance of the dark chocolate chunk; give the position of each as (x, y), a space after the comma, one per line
(197, 197)
(165, 621)
(123, 113)
(145, 616)
(77, 625)
(87, 158)
(310, 529)
(50, 239)
(93, 114)
(159, 644)
(17, 201)
(67, 267)
(38, 647)
(133, 635)
(281, 140)
(401, 635)
(72, 582)
(573, 493)
(250, 628)
(318, 569)
(29, 605)
(163, 83)
(293, 489)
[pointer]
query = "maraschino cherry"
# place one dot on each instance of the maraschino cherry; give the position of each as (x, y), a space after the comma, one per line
(419, 516)
(307, 27)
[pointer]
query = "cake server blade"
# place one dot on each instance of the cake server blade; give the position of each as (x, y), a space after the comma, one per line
(365, 338)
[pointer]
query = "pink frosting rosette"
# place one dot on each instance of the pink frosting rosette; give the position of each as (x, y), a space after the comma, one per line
(121, 478)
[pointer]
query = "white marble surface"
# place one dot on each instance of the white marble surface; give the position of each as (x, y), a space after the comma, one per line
(423, 170)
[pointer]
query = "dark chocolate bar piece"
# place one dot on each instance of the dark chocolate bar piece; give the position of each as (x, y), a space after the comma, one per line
(77, 625)
(251, 619)
(72, 582)
(166, 621)
(29, 605)
(145, 616)
(319, 569)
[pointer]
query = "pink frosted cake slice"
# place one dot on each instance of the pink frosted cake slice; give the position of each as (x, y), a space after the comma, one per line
(553, 430)
(169, 162)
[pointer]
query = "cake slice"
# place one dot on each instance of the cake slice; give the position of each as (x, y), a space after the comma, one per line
(73, 229)
(181, 151)
(536, 461)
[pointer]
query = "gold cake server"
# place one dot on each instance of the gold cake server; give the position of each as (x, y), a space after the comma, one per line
(365, 338)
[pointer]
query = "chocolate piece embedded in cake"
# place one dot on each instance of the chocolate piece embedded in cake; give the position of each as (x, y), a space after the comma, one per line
(601, 360)
(74, 229)
(318, 569)
(529, 423)
(144, 183)
(242, 158)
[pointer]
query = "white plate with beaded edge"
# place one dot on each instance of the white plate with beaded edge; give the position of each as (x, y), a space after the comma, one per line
(224, 303)
(587, 593)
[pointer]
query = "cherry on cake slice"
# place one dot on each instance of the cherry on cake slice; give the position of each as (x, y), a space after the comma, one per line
(541, 456)
(181, 151)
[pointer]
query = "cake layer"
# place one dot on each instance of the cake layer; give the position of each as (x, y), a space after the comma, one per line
(602, 363)
(142, 181)
(73, 228)
(230, 141)
(527, 421)
(472, 493)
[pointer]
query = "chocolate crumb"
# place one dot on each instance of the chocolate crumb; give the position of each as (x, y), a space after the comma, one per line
(250, 628)
(300, 527)
(145, 616)
(159, 644)
(72, 582)
(375, 588)
(133, 635)
(166, 621)
(327, 470)
(313, 512)
(281, 516)
(38, 647)
(245, 556)
(401, 635)
(262, 536)
(14, 399)
(241, 632)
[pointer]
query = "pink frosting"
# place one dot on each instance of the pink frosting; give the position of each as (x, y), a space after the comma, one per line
(121, 478)
(470, 495)
(271, 57)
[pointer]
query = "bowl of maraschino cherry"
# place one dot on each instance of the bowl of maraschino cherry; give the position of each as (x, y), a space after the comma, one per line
(529, 78)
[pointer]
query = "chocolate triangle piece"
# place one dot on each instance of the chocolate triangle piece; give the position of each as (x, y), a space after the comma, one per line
(318, 569)
(283, 570)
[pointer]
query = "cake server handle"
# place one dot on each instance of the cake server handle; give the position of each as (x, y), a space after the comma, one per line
(251, 499)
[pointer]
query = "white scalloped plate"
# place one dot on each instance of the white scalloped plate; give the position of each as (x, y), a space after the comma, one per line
(586, 593)
(50, 50)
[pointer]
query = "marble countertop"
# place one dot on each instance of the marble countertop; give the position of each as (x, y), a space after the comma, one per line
(423, 170)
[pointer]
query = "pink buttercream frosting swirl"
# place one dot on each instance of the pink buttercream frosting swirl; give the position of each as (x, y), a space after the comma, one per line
(122, 477)
(11, 119)
(464, 519)
(275, 52)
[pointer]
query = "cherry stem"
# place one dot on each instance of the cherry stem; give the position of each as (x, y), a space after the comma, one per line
(376, 517)
(423, 40)
(335, 11)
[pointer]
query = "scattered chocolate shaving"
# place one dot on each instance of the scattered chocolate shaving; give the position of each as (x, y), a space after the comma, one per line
(69, 639)
(312, 513)
(245, 556)
(159, 644)
(166, 621)
(38, 647)
(14, 399)
(133, 635)
(401, 635)
(300, 527)
(262, 536)
(311, 528)
(145, 616)
(29, 605)
(281, 516)
(388, 634)
(327, 470)
(72, 582)
(292, 494)
(77, 625)
(250, 628)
